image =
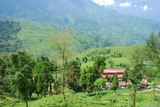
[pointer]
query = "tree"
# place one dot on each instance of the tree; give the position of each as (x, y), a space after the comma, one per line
(23, 63)
(40, 86)
(152, 51)
(83, 82)
(111, 63)
(62, 45)
(43, 76)
(137, 70)
(98, 84)
(115, 83)
(21, 83)
(5, 75)
(73, 75)
(125, 75)
(87, 79)
(99, 66)
(107, 78)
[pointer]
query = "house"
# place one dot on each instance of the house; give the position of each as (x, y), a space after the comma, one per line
(110, 72)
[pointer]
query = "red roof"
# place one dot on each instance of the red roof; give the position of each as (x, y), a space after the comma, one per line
(108, 70)
(111, 72)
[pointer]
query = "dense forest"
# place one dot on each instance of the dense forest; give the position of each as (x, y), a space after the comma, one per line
(9, 42)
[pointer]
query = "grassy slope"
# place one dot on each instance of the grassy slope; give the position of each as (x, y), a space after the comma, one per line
(122, 98)
(36, 38)
(127, 51)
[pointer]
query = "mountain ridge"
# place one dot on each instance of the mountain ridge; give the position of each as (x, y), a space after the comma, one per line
(82, 17)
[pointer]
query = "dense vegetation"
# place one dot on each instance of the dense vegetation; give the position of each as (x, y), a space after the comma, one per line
(23, 76)
(9, 42)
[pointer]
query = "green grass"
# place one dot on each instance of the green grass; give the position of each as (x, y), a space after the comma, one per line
(125, 59)
(37, 36)
(108, 98)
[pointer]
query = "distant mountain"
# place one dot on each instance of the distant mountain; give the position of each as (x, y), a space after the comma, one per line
(147, 9)
(83, 17)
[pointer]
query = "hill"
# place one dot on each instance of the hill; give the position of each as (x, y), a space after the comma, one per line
(83, 17)
(36, 38)
(9, 42)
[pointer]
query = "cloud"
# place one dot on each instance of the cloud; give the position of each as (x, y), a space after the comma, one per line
(104, 2)
(135, 5)
(145, 7)
(125, 4)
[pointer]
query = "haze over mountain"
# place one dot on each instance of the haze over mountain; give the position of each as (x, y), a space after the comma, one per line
(147, 9)
(83, 17)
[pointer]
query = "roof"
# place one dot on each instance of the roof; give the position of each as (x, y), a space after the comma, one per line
(109, 70)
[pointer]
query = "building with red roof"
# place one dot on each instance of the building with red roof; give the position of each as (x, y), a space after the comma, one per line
(110, 72)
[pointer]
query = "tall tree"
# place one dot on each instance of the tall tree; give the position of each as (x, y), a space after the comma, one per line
(152, 53)
(125, 75)
(21, 83)
(99, 66)
(5, 78)
(62, 45)
(83, 82)
(73, 75)
(87, 79)
(115, 83)
(43, 76)
(137, 70)
(23, 63)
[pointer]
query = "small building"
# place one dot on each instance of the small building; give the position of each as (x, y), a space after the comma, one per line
(110, 72)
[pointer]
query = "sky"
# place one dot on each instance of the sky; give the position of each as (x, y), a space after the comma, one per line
(149, 9)
(124, 4)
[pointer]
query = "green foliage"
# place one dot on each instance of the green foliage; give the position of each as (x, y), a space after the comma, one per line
(152, 54)
(20, 62)
(99, 83)
(22, 85)
(43, 77)
(56, 86)
(90, 74)
(9, 42)
(107, 78)
(87, 79)
(99, 65)
(137, 69)
(117, 54)
(115, 83)
(20, 75)
(73, 75)
(125, 74)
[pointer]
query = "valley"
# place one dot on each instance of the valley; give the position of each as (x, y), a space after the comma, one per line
(79, 53)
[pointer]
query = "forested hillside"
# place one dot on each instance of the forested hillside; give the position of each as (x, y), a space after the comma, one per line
(82, 17)
(9, 42)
